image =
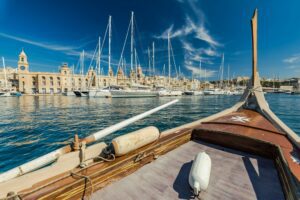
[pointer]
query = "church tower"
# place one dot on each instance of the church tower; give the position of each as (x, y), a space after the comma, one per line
(23, 63)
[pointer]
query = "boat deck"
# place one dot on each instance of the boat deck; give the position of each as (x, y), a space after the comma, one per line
(234, 175)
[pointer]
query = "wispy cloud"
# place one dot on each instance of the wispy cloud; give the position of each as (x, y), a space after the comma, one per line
(191, 35)
(201, 72)
(198, 31)
(66, 49)
(293, 59)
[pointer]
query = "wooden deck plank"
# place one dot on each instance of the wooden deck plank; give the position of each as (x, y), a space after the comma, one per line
(234, 175)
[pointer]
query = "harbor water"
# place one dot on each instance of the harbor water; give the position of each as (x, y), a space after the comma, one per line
(31, 126)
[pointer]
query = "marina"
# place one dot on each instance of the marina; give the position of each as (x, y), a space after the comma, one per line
(153, 111)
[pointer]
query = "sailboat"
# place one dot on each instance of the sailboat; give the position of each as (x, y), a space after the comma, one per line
(135, 89)
(82, 92)
(218, 90)
(244, 152)
(168, 90)
(7, 92)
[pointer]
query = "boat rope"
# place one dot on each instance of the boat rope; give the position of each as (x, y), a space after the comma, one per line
(86, 178)
(107, 160)
(256, 89)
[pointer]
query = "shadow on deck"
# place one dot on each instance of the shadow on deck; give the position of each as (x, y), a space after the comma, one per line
(234, 175)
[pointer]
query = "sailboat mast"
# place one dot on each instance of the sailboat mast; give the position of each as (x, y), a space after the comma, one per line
(82, 62)
(135, 58)
(131, 41)
(109, 43)
(149, 61)
(228, 76)
(254, 46)
(5, 78)
(169, 61)
(200, 66)
(99, 56)
(153, 57)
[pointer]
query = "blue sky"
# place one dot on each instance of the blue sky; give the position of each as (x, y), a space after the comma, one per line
(56, 31)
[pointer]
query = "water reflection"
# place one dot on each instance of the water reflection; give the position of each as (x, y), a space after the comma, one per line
(31, 126)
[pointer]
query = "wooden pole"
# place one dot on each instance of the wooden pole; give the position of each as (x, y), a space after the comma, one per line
(254, 47)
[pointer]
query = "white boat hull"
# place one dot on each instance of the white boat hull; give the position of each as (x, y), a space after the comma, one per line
(99, 93)
(169, 93)
(132, 93)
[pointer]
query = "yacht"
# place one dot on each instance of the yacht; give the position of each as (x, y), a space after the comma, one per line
(195, 93)
(215, 91)
(10, 94)
(132, 92)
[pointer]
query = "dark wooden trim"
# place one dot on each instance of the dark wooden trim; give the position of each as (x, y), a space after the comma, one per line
(102, 174)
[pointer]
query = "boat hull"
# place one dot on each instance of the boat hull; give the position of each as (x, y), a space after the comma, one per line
(132, 94)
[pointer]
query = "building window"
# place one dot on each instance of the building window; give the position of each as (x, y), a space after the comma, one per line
(51, 81)
(43, 80)
(58, 81)
(33, 81)
(22, 59)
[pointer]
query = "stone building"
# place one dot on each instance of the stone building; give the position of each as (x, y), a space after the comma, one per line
(55, 83)
(65, 80)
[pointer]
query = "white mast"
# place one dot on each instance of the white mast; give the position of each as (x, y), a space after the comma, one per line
(82, 63)
(149, 61)
(222, 71)
(136, 65)
(169, 61)
(153, 57)
(5, 78)
(99, 57)
(131, 42)
(200, 66)
(228, 76)
(109, 43)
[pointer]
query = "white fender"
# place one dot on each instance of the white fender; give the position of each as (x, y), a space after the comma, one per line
(200, 172)
(132, 141)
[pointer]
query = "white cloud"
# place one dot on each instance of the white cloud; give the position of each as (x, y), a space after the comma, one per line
(198, 31)
(292, 59)
(68, 50)
(201, 72)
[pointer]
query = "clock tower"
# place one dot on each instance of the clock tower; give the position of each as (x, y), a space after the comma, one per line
(23, 63)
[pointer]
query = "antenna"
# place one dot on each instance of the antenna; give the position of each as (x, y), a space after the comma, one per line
(254, 47)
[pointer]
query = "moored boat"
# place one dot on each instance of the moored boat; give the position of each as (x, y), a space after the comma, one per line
(215, 91)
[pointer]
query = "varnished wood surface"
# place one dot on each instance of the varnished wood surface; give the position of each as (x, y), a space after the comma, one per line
(234, 175)
(101, 174)
(258, 127)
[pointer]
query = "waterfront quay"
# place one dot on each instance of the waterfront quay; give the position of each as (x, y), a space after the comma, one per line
(21, 79)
